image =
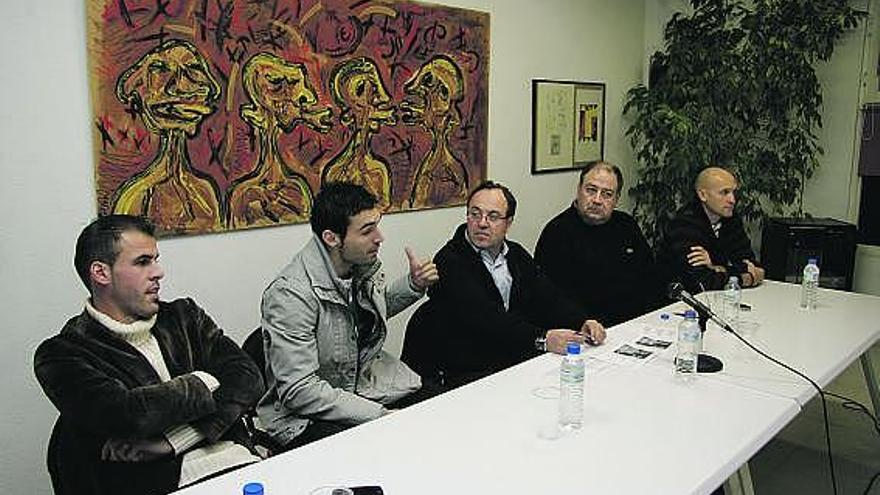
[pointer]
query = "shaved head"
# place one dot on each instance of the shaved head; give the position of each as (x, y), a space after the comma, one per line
(716, 189)
(712, 176)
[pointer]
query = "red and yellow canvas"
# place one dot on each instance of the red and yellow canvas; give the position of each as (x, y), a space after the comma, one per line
(214, 115)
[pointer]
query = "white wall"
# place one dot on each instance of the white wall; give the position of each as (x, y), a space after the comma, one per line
(48, 192)
(830, 193)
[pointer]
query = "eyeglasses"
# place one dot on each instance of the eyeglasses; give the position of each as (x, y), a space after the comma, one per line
(606, 194)
(477, 215)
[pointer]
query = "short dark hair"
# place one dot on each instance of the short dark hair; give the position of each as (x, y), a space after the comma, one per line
(605, 166)
(508, 196)
(99, 241)
(336, 203)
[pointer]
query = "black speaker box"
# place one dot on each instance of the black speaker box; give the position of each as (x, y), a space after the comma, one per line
(787, 244)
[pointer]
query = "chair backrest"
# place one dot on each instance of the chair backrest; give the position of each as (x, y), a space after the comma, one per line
(54, 462)
(266, 445)
(418, 351)
(253, 346)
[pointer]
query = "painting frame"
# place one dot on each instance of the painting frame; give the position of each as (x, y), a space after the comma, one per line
(568, 124)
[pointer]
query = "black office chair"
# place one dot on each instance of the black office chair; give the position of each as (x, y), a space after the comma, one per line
(418, 352)
(253, 346)
(66, 479)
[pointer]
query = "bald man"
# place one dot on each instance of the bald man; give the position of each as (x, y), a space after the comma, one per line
(706, 243)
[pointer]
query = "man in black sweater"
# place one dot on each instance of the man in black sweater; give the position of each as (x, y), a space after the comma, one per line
(492, 308)
(706, 243)
(598, 255)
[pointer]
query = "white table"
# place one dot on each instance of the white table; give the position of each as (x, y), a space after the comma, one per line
(644, 431)
(820, 343)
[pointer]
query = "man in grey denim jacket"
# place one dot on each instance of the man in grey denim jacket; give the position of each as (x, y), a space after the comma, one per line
(324, 325)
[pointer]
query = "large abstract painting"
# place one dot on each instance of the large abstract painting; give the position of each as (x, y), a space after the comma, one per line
(213, 115)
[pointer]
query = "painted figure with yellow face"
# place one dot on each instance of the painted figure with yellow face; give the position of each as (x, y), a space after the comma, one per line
(172, 90)
(433, 94)
(365, 106)
(281, 97)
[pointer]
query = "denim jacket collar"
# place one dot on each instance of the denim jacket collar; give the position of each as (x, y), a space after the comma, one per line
(328, 287)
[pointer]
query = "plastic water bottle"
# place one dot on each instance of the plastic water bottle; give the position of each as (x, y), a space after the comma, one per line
(666, 327)
(810, 285)
(732, 296)
(571, 388)
(252, 489)
(688, 348)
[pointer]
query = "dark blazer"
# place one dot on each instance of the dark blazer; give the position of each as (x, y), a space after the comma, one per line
(463, 331)
(691, 227)
(104, 388)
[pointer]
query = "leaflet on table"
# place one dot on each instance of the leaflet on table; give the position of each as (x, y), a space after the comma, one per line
(635, 344)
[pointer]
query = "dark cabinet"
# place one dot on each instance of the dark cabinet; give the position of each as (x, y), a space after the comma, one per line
(787, 244)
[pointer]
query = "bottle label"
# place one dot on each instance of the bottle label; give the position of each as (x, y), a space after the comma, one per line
(690, 334)
(572, 372)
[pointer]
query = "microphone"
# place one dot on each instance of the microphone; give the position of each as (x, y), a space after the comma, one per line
(677, 292)
(705, 362)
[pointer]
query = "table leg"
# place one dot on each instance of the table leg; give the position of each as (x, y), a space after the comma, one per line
(871, 381)
(740, 482)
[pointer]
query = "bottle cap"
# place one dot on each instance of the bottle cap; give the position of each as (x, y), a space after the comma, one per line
(733, 278)
(812, 261)
(253, 489)
(573, 348)
(690, 314)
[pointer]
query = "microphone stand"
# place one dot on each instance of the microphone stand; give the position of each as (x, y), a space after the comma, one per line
(707, 363)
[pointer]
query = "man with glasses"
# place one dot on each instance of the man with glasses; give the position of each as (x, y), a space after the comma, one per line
(492, 308)
(598, 255)
(706, 243)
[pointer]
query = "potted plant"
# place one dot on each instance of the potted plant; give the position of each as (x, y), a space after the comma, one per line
(735, 86)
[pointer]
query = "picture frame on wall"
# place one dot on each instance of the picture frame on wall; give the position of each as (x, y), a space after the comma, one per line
(568, 124)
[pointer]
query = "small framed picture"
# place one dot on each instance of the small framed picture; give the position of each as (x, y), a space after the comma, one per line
(568, 124)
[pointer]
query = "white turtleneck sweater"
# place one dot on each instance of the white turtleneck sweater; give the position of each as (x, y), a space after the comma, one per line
(208, 458)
